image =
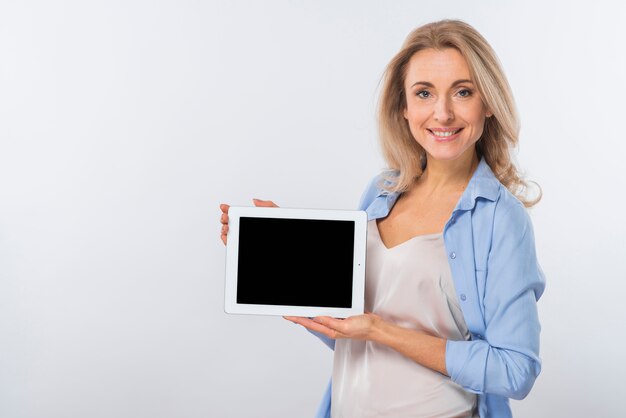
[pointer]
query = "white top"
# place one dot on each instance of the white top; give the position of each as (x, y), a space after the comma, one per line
(409, 285)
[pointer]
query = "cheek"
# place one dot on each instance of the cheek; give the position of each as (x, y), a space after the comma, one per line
(479, 122)
(416, 115)
(478, 129)
(480, 113)
(476, 117)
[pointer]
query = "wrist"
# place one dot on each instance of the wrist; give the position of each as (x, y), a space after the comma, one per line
(380, 330)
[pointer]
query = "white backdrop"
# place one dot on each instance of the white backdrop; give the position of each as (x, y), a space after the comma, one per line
(124, 124)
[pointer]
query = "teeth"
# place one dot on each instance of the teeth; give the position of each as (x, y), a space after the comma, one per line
(444, 133)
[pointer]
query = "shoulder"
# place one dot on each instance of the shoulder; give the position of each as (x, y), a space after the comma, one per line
(513, 256)
(375, 189)
(510, 214)
(509, 242)
(491, 199)
(499, 219)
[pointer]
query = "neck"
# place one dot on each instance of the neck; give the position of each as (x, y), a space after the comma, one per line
(449, 175)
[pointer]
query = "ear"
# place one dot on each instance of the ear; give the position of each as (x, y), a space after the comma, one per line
(489, 114)
(404, 113)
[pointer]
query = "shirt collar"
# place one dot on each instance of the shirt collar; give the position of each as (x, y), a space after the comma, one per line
(483, 184)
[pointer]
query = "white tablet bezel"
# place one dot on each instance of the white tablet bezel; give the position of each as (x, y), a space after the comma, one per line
(358, 283)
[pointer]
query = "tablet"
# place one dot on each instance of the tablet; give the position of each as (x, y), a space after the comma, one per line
(295, 262)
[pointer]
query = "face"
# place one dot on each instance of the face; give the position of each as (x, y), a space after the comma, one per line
(444, 109)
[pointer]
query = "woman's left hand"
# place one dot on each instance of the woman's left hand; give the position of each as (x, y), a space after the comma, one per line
(359, 327)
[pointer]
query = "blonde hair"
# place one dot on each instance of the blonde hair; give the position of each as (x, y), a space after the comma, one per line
(500, 134)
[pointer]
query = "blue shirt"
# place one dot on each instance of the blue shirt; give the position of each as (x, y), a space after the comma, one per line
(491, 250)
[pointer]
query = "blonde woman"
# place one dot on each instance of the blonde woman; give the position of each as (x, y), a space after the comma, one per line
(452, 278)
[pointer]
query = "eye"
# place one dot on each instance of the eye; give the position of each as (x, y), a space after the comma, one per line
(465, 93)
(423, 94)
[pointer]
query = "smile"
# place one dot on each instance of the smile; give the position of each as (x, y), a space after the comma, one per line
(444, 133)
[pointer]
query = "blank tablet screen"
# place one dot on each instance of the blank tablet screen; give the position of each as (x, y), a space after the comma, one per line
(297, 262)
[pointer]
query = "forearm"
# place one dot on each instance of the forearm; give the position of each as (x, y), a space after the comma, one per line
(424, 349)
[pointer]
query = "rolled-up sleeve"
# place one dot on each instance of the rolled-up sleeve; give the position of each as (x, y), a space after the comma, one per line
(505, 360)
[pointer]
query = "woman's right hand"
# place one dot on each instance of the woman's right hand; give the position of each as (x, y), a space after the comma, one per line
(224, 218)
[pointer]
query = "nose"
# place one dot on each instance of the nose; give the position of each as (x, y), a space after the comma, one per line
(443, 110)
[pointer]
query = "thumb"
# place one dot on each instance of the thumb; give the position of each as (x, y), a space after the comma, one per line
(264, 203)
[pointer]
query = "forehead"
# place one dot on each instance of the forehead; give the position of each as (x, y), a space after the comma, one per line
(437, 66)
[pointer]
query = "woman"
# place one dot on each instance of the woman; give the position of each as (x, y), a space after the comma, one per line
(452, 279)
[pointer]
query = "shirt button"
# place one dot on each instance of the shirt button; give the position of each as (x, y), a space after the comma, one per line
(453, 255)
(463, 297)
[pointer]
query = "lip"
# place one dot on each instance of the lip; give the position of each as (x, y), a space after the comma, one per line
(452, 137)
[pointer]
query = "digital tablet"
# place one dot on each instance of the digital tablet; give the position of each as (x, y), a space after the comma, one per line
(295, 262)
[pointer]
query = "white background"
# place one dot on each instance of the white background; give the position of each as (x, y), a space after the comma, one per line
(124, 124)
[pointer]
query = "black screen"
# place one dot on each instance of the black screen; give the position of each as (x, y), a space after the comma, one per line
(297, 262)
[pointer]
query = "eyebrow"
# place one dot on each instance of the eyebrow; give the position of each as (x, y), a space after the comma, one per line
(428, 84)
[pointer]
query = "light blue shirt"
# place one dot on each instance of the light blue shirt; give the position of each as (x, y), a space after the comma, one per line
(491, 250)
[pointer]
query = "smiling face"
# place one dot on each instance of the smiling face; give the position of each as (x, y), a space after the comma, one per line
(444, 110)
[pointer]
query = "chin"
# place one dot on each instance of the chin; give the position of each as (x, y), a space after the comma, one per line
(449, 152)
(445, 156)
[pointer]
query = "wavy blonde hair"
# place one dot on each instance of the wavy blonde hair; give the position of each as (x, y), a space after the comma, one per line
(501, 131)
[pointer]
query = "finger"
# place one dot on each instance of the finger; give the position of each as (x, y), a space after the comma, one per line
(300, 320)
(264, 203)
(224, 234)
(224, 220)
(224, 216)
(334, 323)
